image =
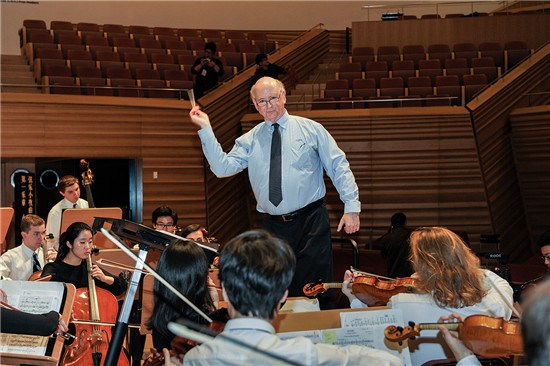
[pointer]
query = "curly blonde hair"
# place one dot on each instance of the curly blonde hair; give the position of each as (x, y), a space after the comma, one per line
(446, 267)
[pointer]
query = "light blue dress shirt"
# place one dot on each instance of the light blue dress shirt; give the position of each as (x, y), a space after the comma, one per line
(307, 148)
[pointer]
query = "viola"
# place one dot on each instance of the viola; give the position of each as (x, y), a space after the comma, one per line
(95, 305)
(484, 335)
(180, 346)
(371, 289)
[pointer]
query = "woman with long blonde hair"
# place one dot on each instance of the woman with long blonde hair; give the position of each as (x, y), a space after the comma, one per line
(449, 280)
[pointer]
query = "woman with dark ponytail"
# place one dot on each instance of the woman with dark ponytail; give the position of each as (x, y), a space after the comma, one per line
(75, 245)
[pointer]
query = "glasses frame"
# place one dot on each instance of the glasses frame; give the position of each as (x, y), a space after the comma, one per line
(165, 226)
(272, 100)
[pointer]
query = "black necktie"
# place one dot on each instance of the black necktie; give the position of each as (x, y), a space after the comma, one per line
(35, 263)
(74, 205)
(275, 192)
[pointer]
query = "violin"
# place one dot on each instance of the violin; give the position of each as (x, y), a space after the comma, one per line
(180, 346)
(93, 305)
(484, 335)
(371, 289)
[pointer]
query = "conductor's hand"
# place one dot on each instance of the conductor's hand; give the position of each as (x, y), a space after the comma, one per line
(350, 223)
(199, 118)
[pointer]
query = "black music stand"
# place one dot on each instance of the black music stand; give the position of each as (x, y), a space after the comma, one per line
(147, 238)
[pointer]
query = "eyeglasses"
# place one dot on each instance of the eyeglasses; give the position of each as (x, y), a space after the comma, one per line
(271, 100)
(164, 226)
(545, 257)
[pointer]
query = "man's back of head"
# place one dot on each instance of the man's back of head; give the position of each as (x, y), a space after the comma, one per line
(535, 324)
(255, 271)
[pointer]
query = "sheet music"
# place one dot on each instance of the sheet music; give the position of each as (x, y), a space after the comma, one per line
(363, 328)
(34, 298)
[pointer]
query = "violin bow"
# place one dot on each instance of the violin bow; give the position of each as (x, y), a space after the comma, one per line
(114, 239)
(355, 270)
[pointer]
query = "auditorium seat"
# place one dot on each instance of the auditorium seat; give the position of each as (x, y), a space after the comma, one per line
(117, 73)
(94, 44)
(36, 41)
(175, 45)
(235, 35)
(336, 89)
(465, 50)
(169, 75)
(182, 86)
(249, 48)
(414, 53)
(323, 103)
(115, 30)
(421, 86)
(472, 85)
(79, 58)
(392, 87)
(163, 61)
(108, 59)
(61, 85)
(376, 70)
(486, 65)
(146, 44)
(388, 54)
(87, 72)
(458, 67)
(164, 31)
(449, 85)
(228, 72)
(494, 50)
(234, 59)
(146, 74)
(137, 31)
(211, 33)
(187, 61)
(197, 46)
(260, 40)
(155, 89)
(383, 101)
(515, 51)
(403, 69)
(349, 71)
(364, 88)
(226, 47)
(438, 100)
(351, 103)
(431, 68)
(63, 25)
(182, 32)
(125, 87)
(440, 52)
(409, 101)
(362, 55)
(97, 86)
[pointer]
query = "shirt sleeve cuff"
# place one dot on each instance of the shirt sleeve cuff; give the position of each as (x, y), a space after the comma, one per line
(470, 360)
(352, 207)
(206, 133)
(357, 304)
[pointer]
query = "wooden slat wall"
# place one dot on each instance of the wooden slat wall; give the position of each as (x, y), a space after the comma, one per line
(531, 145)
(490, 116)
(421, 161)
(157, 131)
(531, 28)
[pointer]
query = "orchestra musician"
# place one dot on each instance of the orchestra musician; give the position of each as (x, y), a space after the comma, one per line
(22, 261)
(69, 189)
(449, 280)
(165, 219)
(535, 325)
(185, 266)
(75, 246)
(255, 272)
(544, 244)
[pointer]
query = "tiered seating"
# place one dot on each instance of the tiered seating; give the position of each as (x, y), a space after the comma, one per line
(114, 46)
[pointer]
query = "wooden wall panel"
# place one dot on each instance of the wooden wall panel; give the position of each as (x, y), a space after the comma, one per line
(422, 161)
(490, 116)
(531, 28)
(531, 145)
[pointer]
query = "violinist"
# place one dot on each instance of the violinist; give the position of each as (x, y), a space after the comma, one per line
(22, 261)
(535, 326)
(449, 280)
(255, 271)
(75, 246)
(185, 266)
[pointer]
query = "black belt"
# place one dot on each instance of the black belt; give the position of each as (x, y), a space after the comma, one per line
(301, 212)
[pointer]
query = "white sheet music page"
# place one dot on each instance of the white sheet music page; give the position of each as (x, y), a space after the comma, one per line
(372, 324)
(35, 298)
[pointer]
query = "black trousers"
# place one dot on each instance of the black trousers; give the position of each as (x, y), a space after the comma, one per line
(310, 238)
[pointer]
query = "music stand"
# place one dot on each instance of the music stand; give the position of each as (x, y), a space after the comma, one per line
(87, 215)
(55, 357)
(6, 215)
